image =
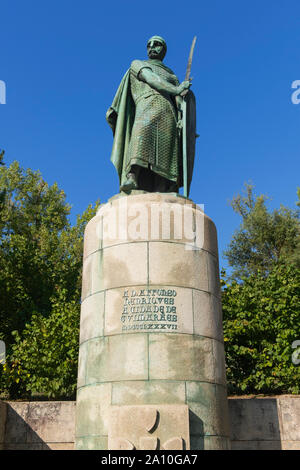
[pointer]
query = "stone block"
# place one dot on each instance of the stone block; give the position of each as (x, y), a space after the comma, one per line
(125, 265)
(208, 409)
(16, 426)
(210, 443)
(25, 446)
(91, 443)
(207, 315)
(210, 236)
(120, 357)
(254, 419)
(82, 364)
(219, 363)
(51, 422)
(116, 266)
(174, 219)
(3, 413)
(92, 236)
(216, 443)
(92, 317)
(60, 446)
(290, 445)
(256, 445)
(144, 309)
(149, 427)
(181, 357)
(86, 288)
(148, 392)
(172, 264)
(290, 418)
(214, 286)
(93, 404)
(150, 217)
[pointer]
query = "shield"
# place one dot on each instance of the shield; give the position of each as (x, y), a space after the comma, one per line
(189, 140)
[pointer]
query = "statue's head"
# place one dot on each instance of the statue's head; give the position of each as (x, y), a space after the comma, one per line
(156, 48)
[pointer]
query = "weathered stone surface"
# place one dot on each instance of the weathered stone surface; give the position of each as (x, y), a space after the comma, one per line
(219, 363)
(3, 412)
(208, 409)
(60, 446)
(207, 315)
(120, 357)
(26, 446)
(116, 266)
(256, 445)
(290, 418)
(82, 364)
(181, 357)
(216, 443)
(173, 264)
(213, 275)
(254, 419)
(92, 236)
(92, 317)
(91, 443)
(149, 427)
(210, 235)
(93, 404)
(148, 392)
(210, 443)
(290, 445)
(18, 431)
(16, 423)
(152, 351)
(151, 217)
(50, 422)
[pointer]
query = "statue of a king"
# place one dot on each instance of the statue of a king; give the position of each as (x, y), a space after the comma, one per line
(146, 123)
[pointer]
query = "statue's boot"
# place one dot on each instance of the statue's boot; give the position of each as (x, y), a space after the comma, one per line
(130, 183)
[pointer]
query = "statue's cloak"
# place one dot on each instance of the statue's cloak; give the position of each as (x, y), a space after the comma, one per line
(120, 117)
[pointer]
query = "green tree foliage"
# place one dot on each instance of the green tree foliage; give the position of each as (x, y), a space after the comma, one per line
(44, 358)
(40, 283)
(39, 249)
(261, 321)
(263, 238)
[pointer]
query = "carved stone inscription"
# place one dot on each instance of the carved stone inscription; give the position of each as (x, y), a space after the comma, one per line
(149, 309)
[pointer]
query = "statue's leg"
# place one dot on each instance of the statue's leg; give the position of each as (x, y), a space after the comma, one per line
(132, 179)
(146, 179)
(163, 185)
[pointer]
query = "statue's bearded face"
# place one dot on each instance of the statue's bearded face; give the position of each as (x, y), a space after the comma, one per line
(155, 49)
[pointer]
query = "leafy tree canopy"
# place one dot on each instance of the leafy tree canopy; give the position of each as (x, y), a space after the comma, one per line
(261, 320)
(264, 237)
(39, 249)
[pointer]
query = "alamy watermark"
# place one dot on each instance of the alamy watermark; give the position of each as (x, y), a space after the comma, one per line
(155, 221)
(2, 352)
(296, 353)
(295, 97)
(2, 92)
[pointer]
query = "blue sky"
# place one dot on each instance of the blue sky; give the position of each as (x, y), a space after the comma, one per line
(63, 60)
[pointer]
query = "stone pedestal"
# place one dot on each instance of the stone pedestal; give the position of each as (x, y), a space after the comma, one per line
(151, 328)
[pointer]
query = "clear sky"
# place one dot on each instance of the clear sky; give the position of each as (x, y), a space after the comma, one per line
(62, 62)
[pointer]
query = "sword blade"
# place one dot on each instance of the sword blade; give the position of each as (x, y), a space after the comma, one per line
(189, 65)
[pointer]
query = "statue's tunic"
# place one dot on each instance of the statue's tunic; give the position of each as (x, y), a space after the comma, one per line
(154, 141)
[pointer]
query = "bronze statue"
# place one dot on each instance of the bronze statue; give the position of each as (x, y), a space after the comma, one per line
(147, 120)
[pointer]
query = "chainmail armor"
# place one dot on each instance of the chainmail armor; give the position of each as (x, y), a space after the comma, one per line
(154, 140)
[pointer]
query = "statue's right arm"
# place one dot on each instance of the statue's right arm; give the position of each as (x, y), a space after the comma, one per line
(160, 84)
